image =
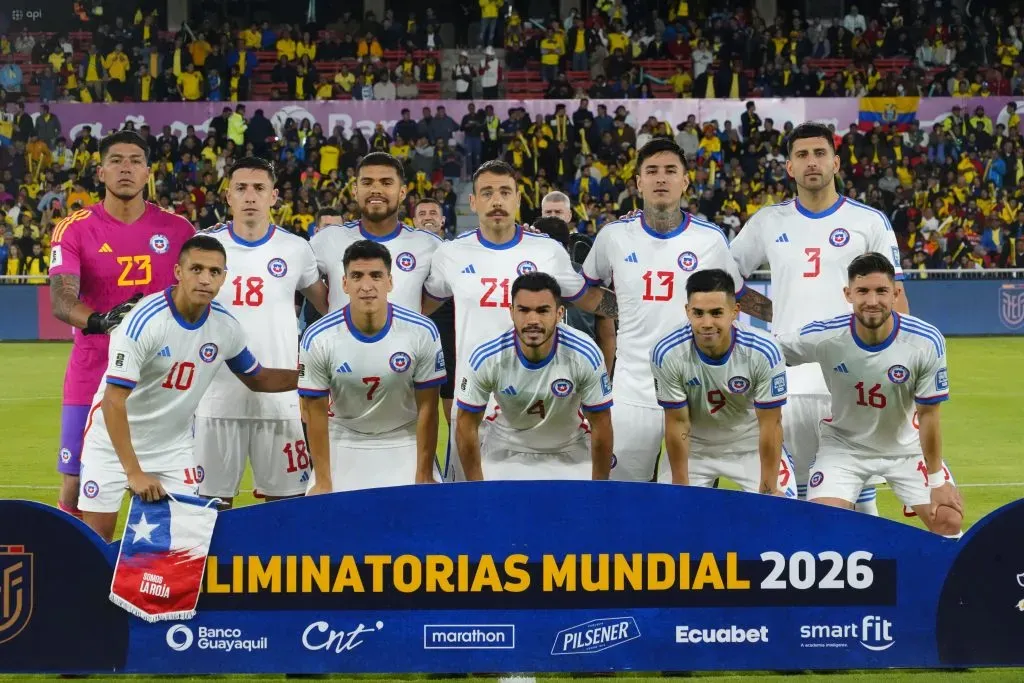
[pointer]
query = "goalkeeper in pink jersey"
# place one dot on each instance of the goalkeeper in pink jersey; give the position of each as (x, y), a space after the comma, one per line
(104, 259)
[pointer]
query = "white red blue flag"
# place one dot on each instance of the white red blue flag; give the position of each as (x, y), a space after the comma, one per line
(162, 559)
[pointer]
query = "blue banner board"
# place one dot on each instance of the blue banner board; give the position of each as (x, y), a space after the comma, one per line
(528, 577)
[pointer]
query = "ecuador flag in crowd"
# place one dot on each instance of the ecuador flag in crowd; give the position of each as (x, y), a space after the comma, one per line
(895, 112)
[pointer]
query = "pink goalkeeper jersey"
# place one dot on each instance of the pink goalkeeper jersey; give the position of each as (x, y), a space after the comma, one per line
(114, 261)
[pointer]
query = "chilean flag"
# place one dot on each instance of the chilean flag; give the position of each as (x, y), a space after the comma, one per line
(162, 559)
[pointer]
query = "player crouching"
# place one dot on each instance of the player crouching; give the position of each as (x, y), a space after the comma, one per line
(544, 377)
(722, 386)
(882, 368)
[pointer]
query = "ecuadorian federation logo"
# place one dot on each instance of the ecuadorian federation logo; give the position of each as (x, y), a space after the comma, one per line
(208, 352)
(1011, 306)
(405, 262)
(526, 267)
(400, 361)
(159, 244)
(687, 261)
(898, 374)
(739, 385)
(839, 237)
(277, 267)
(561, 388)
(16, 592)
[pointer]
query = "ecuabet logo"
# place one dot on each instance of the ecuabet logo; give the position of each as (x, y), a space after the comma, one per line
(277, 267)
(1011, 306)
(208, 352)
(898, 374)
(159, 244)
(687, 261)
(526, 267)
(405, 262)
(816, 479)
(91, 489)
(180, 637)
(400, 361)
(16, 590)
(65, 456)
(840, 237)
(561, 388)
(739, 385)
(595, 635)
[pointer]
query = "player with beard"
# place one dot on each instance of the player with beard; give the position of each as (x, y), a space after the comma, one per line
(380, 191)
(476, 270)
(103, 260)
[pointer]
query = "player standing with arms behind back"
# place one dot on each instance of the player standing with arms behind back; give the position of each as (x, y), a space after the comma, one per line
(808, 243)
(648, 259)
(544, 376)
(233, 424)
(103, 260)
(887, 370)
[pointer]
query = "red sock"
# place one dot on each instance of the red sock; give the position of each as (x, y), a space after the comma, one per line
(74, 512)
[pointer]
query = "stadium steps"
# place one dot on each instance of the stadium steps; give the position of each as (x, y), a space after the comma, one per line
(467, 220)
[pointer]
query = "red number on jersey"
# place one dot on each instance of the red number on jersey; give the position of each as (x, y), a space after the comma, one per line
(784, 473)
(923, 469)
(192, 477)
(180, 376)
(716, 399)
(492, 298)
(665, 285)
(875, 398)
(372, 383)
(252, 294)
(298, 458)
(814, 258)
(916, 421)
(537, 409)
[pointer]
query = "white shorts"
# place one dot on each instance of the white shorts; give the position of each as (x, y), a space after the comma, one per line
(276, 449)
(638, 433)
(744, 470)
(841, 475)
(450, 470)
(355, 467)
(503, 463)
(103, 482)
(801, 420)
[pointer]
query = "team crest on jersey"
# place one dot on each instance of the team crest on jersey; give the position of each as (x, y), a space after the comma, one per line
(816, 479)
(561, 388)
(208, 352)
(526, 267)
(739, 385)
(898, 374)
(405, 261)
(277, 267)
(839, 237)
(687, 261)
(65, 456)
(200, 474)
(400, 361)
(91, 489)
(159, 244)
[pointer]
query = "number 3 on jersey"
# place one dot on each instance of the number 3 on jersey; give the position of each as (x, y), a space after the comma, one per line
(814, 260)
(659, 285)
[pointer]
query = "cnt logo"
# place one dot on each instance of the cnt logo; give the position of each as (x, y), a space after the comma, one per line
(181, 638)
(595, 635)
(321, 636)
(872, 633)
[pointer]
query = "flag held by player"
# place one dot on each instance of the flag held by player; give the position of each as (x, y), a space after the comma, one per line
(162, 559)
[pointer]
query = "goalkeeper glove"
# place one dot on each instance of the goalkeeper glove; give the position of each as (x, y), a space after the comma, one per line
(102, 323)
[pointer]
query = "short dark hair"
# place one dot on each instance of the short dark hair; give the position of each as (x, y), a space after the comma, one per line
(382, 159)
(810, 130)
(554, 227)
(496, 167)
(256, 164)
(656, 146)
(711, 280)
(428, 200)
(201, 243)
(366, 250)
(868, 264)
(537, 281)
(123, 137)
(329, 211)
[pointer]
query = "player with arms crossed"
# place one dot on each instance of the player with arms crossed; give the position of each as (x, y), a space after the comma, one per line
(722, 386)
(808, 243)
(882, 367)
(648, 259)
(544, 377)
(233, 424)
(103, 260)
(382, 365)
(476, 270)
(380, 191)
(162, 359)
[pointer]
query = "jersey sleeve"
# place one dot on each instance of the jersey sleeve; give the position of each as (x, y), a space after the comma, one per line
(931, 385)
(769, 377)
(570, 282)
(594, 387)
(798, 348)
(747, 249)
(883, 241)
(240, 359)
(428, 366)
(475, 387)
(668, 380)
(310, 268)
(320, 245)
(597, 267)
(436, 285)
(131, 343)
(314, 370)
(66, 248)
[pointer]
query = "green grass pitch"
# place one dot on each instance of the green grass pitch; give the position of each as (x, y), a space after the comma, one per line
(983, 437)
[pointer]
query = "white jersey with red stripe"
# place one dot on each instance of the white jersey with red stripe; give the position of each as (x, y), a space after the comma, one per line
(808, 254)
(874, 388)
(649, 271)
(540, 404)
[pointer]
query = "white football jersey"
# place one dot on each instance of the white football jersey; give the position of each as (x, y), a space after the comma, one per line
(874, 388)
(372, 381)
(808, 254)
(262, 279)
(478, 276)
(649, 273)
(722, 393)
(539, 404)
(168, 363)
(411, 254)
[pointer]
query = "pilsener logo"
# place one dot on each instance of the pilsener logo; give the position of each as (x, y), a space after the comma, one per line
(595, 636)
(469, 637)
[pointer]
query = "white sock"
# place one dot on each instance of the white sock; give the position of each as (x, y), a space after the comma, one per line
(867, 502)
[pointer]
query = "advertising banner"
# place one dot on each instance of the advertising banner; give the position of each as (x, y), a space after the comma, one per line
(528, 577)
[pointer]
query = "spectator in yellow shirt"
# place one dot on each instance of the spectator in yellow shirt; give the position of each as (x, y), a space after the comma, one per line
(488, 21)
(117, 64)
(681, 82)
(200, 50)
(369, 46)
(345, 79)
(306, 48)
(36, 266)
(252, 37)
(190, 84)
(550, 56)
(286, 47)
